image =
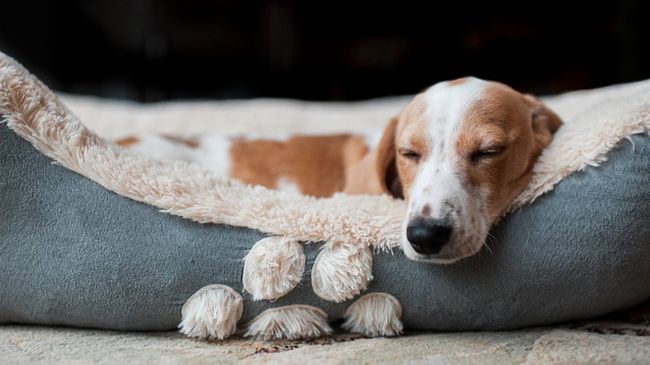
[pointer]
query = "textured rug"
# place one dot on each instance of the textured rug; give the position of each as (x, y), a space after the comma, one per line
(41, 345)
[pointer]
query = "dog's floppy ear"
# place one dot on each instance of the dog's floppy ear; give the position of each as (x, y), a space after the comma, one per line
(544, 121)
(385, 163)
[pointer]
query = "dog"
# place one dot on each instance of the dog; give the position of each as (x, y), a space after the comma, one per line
(458, 153)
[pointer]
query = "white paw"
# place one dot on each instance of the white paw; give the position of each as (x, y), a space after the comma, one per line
(291, 322)
(374, 315)
(273, 267)
(341, 271)
(211, 313)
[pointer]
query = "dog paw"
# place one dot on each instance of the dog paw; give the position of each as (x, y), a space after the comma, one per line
(211, 313)
(340, 271)
(374, 315)
(291, 322)
(273, 267)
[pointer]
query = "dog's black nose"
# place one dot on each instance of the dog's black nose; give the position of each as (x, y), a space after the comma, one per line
(427, 236)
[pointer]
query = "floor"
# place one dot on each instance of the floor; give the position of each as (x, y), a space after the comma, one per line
(43, 345)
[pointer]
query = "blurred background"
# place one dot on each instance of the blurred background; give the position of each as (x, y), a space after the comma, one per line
(148, 50)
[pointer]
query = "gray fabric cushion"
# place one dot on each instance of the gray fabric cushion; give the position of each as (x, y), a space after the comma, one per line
(73, 253)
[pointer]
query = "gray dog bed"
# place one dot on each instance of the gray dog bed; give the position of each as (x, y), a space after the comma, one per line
(76, 251)
(73, 253)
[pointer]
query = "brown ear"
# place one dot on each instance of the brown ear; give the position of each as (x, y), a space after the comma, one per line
(544, 121)
(385, 161)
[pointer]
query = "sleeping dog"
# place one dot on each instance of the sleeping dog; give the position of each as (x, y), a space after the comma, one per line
(459, 153)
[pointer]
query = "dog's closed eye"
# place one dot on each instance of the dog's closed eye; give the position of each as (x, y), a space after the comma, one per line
(409, 154)
(486, 153)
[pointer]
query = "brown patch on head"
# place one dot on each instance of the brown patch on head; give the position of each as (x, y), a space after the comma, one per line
(458, 81)
(188, 142)
(544, 121)
(127, 141)
(318, 165)
(383, 171)
(386, 172)
(500, 139)
(406, 131)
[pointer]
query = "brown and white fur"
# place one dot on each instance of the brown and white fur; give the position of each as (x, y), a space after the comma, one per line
(458, 153)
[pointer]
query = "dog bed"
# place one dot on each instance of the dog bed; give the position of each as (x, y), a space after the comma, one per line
(75, 253)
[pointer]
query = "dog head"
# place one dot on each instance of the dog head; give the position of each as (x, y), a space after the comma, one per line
(459, 153)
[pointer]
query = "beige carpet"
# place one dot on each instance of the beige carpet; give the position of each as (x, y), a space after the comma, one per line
(41, 345)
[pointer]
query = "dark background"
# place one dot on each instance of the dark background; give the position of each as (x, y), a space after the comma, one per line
(327, 50)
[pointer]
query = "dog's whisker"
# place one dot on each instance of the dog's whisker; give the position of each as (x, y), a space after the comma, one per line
(485, 244)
